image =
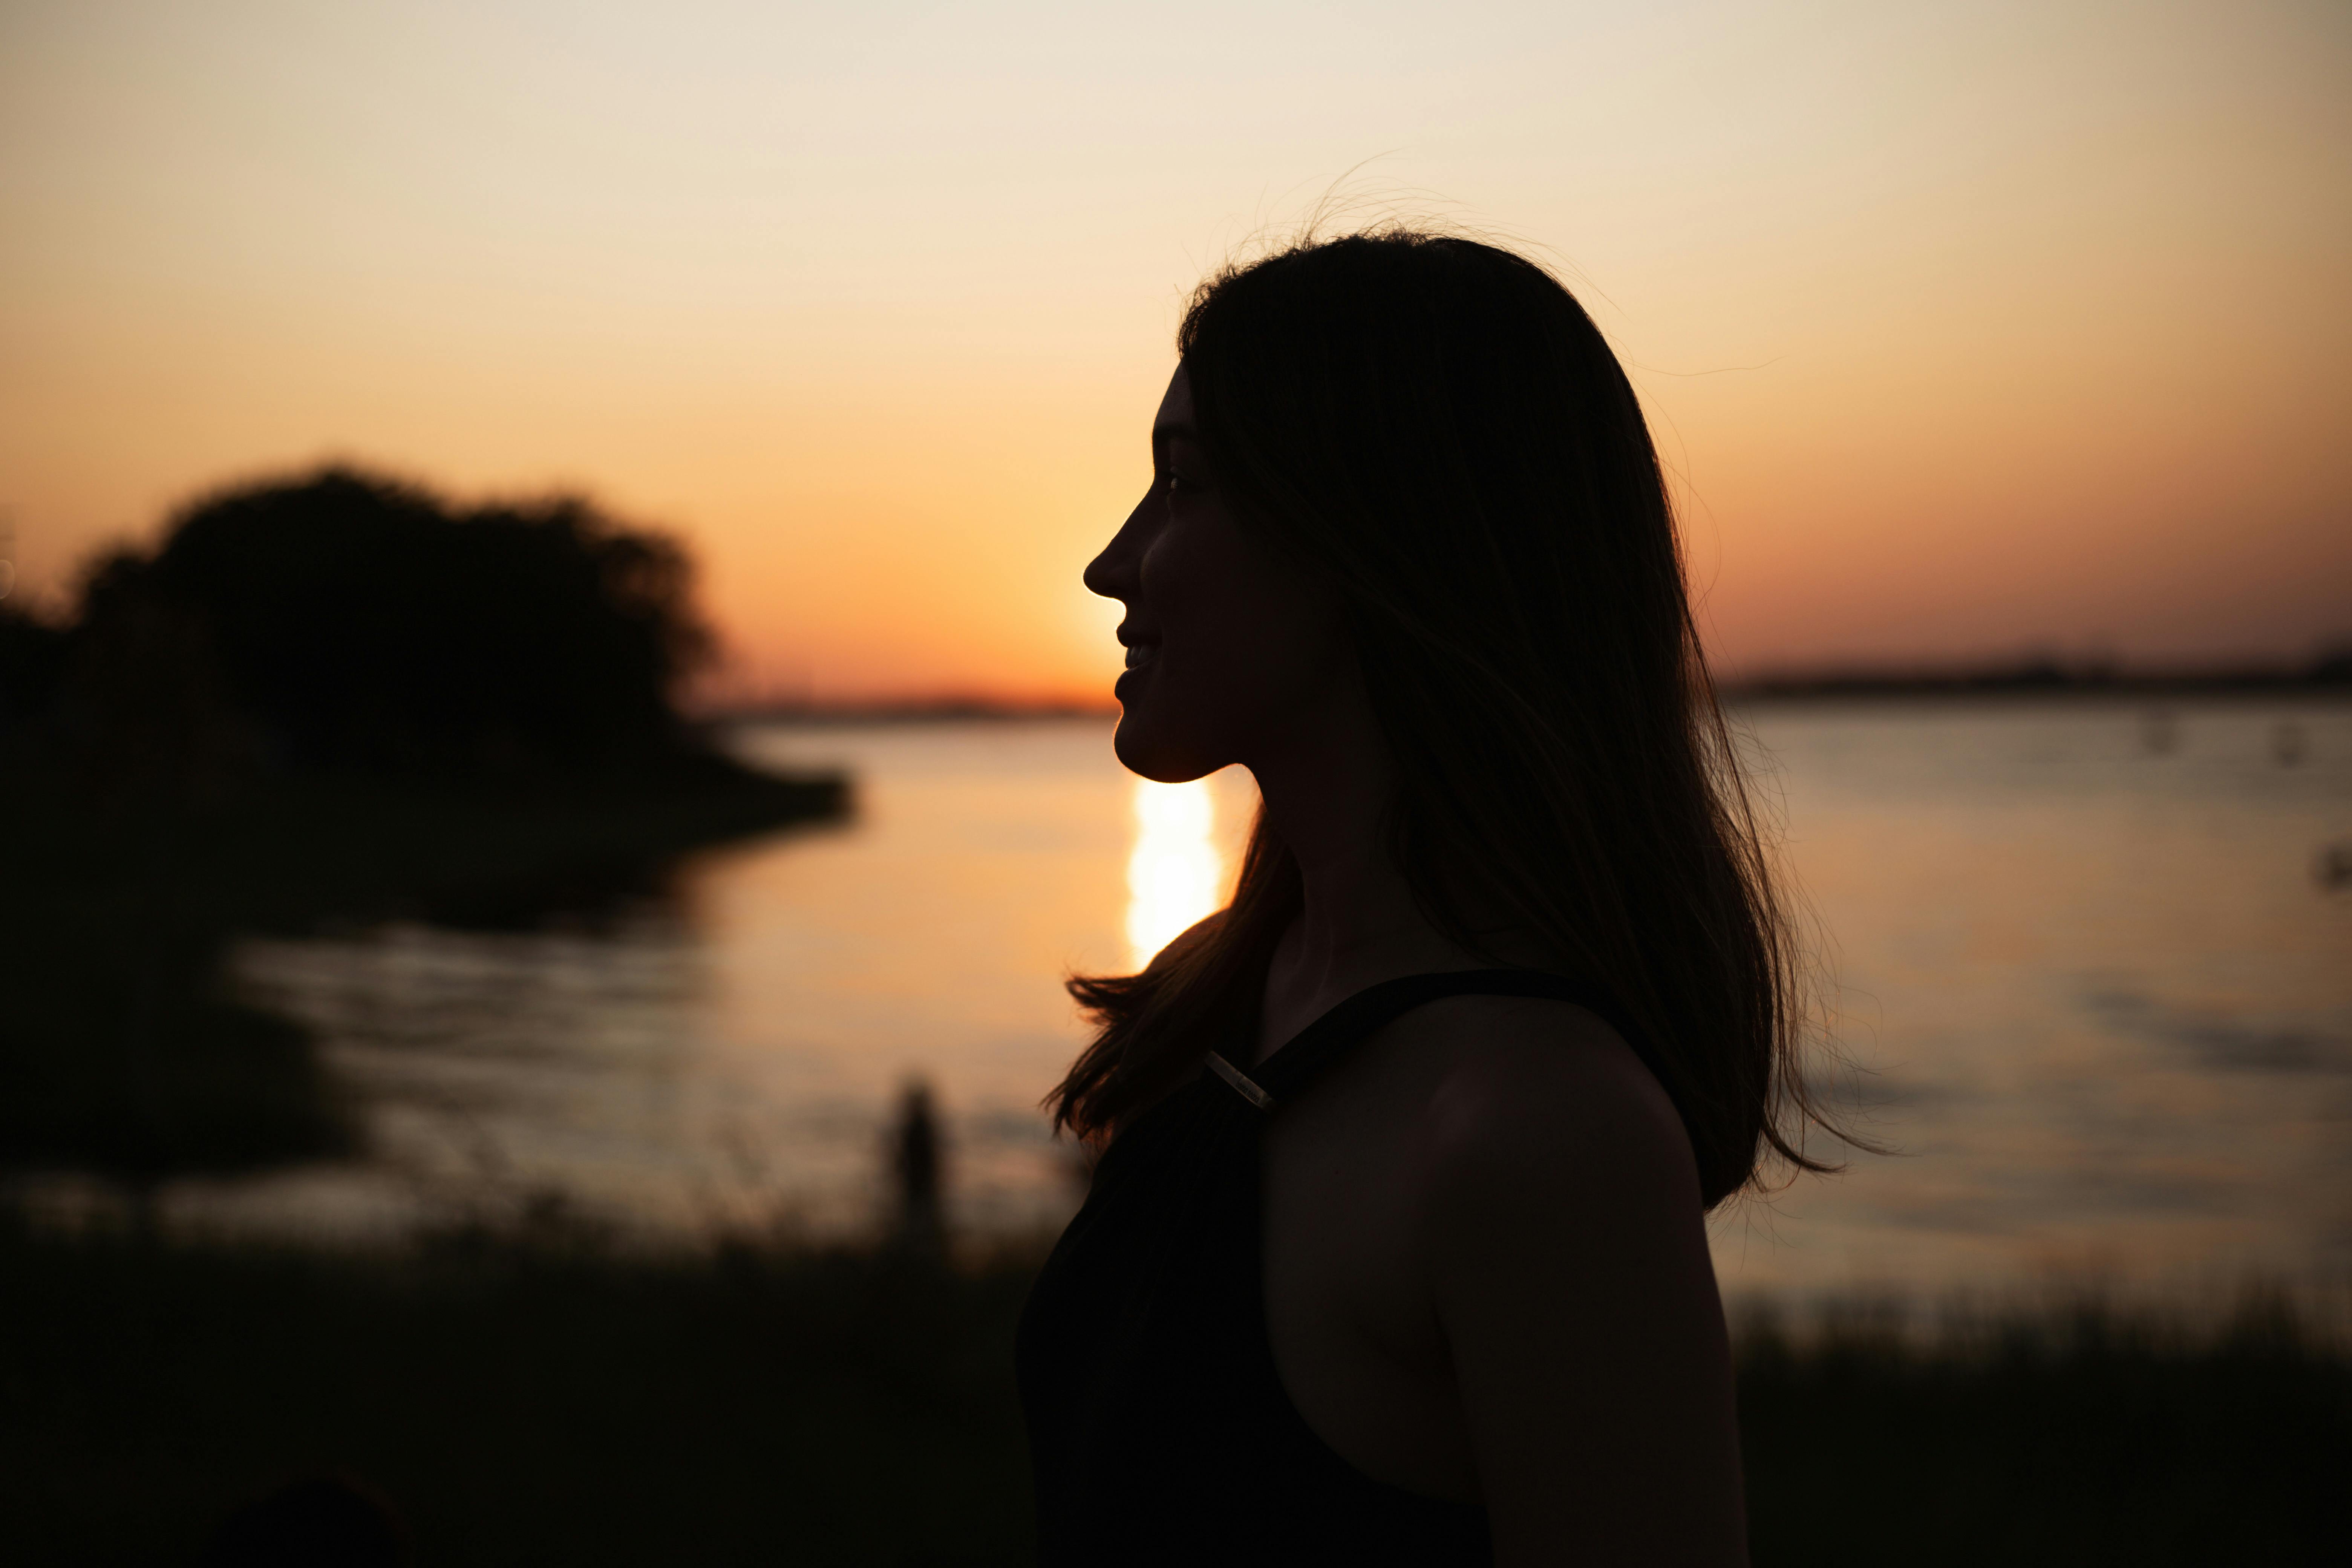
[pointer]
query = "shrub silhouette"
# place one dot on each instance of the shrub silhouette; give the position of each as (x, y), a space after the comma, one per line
(328, 697)
(32, 663)
(346, 622)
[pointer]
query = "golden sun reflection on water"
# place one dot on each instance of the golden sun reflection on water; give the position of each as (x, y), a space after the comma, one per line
(1175, 871)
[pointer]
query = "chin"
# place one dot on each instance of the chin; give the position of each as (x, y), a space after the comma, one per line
(1146, 750)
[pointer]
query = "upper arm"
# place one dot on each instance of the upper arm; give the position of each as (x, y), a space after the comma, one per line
(1570, 1274)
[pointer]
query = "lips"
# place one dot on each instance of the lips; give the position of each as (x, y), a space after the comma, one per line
(1141, 654)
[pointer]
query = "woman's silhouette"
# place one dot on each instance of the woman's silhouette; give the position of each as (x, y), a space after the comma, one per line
(1396, 1253)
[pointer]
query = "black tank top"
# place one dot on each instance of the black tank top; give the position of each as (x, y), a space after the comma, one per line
(1158, 1428)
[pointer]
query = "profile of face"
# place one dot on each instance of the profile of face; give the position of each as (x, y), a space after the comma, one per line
(1231, 652)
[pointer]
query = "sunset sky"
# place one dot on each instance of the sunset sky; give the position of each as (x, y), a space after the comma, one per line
(1969, 329)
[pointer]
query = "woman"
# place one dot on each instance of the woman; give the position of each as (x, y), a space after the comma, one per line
(1396, 1249)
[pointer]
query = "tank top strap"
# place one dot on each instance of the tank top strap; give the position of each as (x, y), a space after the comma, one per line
(1314, 1049)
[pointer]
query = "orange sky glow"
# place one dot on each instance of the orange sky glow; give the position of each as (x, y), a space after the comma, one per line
(1969, 331)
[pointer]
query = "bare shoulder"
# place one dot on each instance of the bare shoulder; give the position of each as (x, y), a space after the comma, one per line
(1565, 1246)
(1542, 1101)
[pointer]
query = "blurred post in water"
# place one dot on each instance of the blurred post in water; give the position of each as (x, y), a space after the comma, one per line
(920, 1226)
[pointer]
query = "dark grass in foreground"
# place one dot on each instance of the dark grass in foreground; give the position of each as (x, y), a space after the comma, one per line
(538, 1403)
(516, 1404)
(2070, 1435)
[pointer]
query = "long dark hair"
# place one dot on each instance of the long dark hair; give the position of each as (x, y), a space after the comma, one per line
(1434, 425)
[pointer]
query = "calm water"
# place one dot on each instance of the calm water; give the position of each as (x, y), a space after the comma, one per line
(2088, 973)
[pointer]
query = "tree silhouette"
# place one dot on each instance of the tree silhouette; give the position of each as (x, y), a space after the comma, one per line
(345, 622)
(314, 701)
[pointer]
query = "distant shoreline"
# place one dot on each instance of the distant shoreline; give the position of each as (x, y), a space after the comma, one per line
(2327, 676)
(907, 711)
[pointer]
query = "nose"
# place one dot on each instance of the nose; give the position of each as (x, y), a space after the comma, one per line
(1112, 573)
(1098, 577)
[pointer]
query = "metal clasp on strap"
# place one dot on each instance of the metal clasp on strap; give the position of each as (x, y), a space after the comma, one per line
(1243, 1084)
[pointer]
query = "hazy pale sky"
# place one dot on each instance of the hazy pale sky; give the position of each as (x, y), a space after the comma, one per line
(1968, 329)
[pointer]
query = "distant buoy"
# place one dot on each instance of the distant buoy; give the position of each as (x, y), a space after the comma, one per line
(2159, 732)
(2286, 745)
(2333, 866)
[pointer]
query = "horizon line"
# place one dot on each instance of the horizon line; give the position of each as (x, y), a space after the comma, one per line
(2330, 670)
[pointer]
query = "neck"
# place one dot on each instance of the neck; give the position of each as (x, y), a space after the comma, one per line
(1327, 788)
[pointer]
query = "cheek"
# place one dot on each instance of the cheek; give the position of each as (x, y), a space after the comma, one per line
(1238, 628)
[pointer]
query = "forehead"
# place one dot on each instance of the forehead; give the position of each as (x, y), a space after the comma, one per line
(1175, 416)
